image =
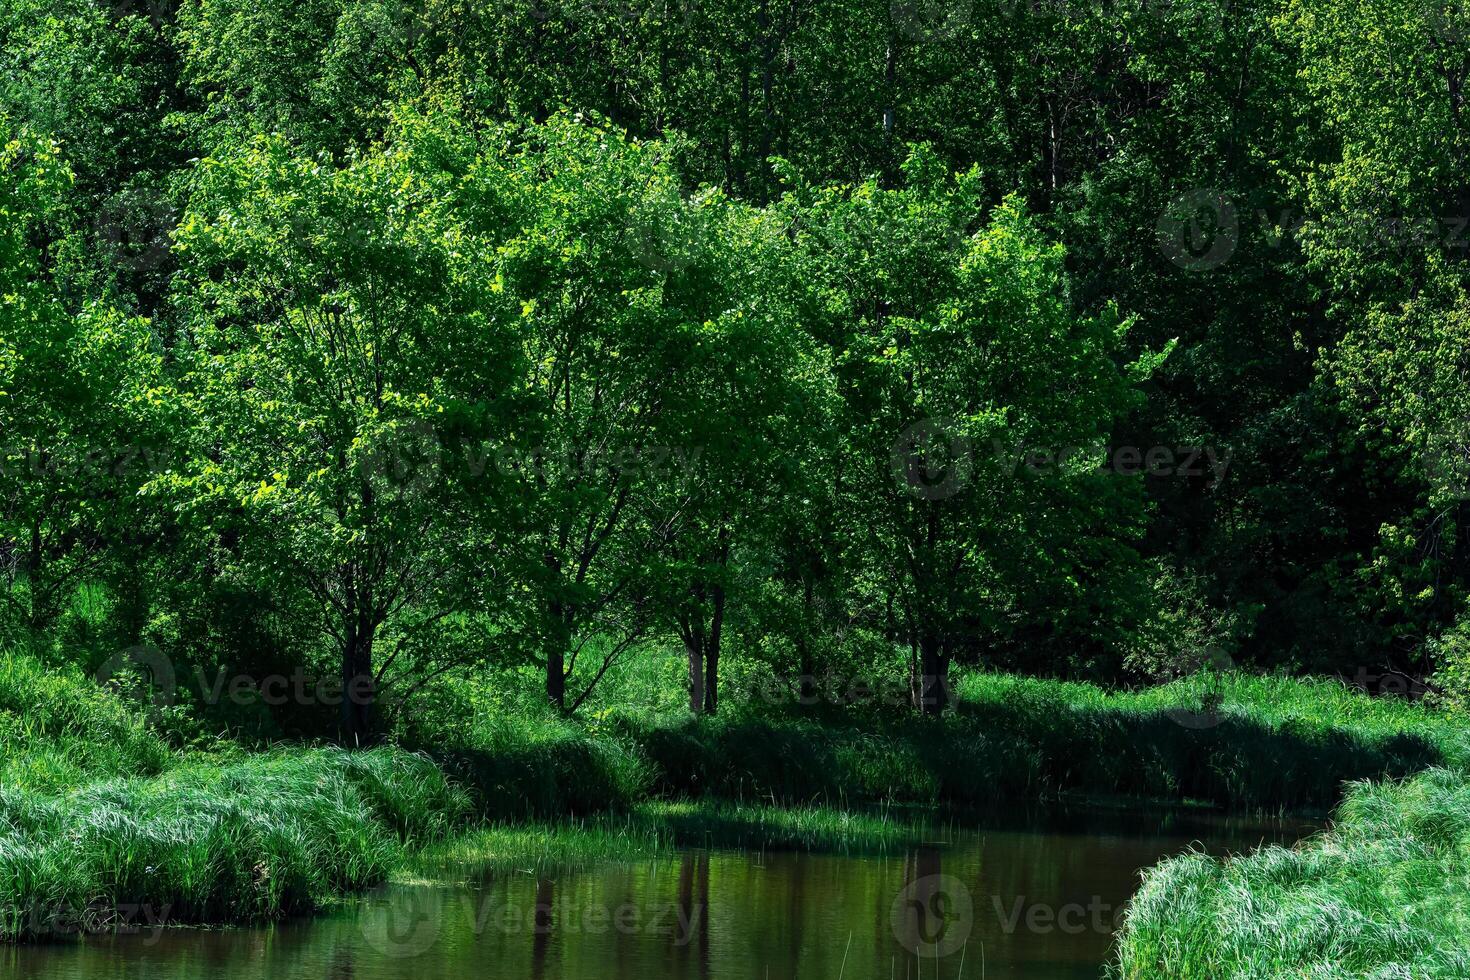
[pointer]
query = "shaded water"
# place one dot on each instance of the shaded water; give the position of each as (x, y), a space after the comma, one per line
(1026, 898)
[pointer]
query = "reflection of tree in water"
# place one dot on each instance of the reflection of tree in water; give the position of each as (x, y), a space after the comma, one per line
(922, 867)
(933, 913)
(797, 912)
(543, 919)
(343, 962)
(691, 927)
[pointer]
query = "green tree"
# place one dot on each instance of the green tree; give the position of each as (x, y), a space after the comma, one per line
(78, 398)
(346, 332)
(976, 402)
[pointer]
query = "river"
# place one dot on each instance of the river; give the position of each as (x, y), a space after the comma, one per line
(1025, 896)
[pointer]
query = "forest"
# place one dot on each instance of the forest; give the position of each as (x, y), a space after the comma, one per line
(711, 418)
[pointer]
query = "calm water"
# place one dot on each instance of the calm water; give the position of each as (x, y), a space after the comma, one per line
(1024, 898)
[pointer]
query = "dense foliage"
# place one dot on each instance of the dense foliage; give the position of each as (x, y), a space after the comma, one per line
(384, 341)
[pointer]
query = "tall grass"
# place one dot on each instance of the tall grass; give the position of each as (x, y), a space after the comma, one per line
(96, 812)
(59, 729)
(653, 828)
(793, 761)
(1235, 742)
(528, 766)
(1383, 894)
(818, 829)
(259, 838)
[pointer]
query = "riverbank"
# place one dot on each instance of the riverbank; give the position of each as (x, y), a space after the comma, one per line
(99, 814)
(1237, 743)
(1382, 894)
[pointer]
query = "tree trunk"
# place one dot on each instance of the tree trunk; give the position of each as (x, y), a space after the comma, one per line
(806, 665)
(712, 653)
(933, 675)
(556, 654)
(357, 683)
(559, 620)
(890, 68)
(556, 678)
(694, 644)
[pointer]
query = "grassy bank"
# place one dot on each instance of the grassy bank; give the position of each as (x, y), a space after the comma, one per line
(239, 841)
(58, 730)
(656, 827)
(97, 812)
(1238, 743)
(1383, 894)
(1234, 742)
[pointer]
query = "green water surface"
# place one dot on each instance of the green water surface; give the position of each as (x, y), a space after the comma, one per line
(1018, 897)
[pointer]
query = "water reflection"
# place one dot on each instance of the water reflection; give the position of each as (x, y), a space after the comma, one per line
(1024, 898)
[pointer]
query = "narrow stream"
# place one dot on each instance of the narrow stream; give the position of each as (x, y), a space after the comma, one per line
(1024, 898)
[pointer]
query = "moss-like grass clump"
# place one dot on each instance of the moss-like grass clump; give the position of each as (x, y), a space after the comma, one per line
(1384, 893)
(240, 841)
(58, 729)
